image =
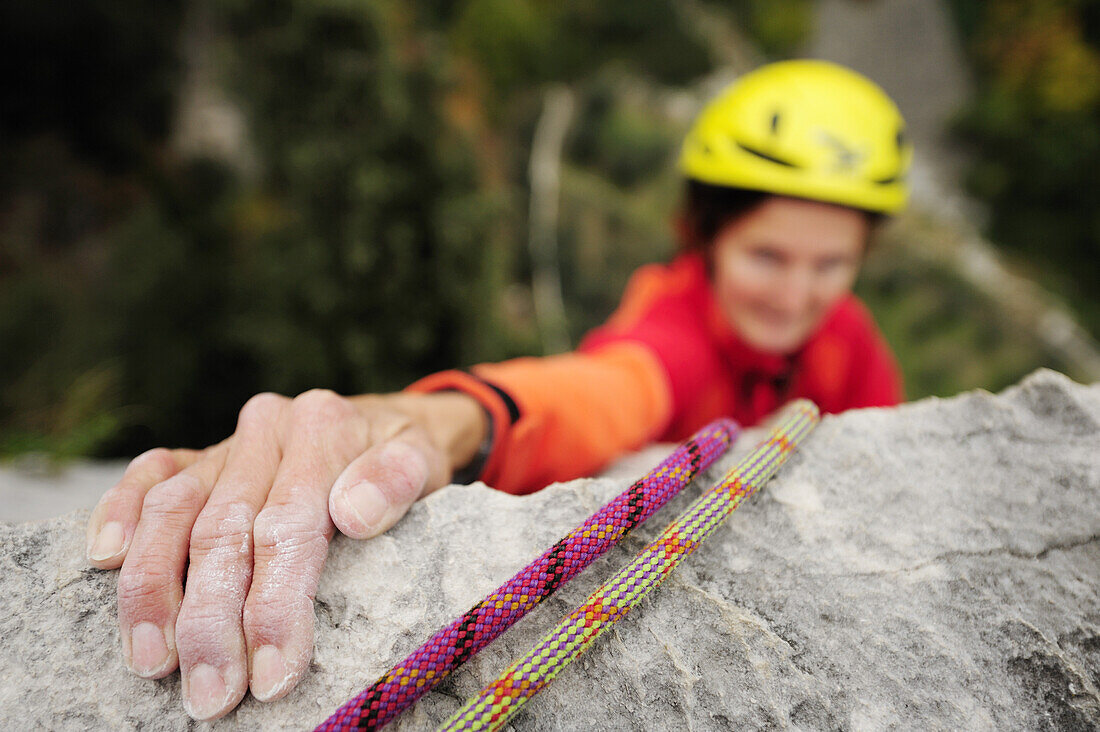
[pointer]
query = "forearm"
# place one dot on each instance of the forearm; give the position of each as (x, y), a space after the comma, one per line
(560, 417)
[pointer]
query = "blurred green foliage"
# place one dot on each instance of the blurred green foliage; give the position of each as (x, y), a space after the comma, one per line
(371, 226)
(947, 335)
(147, 293)
(779, 27)
(1034, 127)
(82, 111)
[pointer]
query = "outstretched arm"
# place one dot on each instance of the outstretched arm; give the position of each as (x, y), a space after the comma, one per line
(560, 417)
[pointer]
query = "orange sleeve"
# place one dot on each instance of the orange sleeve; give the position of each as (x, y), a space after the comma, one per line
(561, 417)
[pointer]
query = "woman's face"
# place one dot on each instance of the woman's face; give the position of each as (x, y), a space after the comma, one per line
(779, 268)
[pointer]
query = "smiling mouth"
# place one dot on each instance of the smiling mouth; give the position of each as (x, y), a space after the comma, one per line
(781, 326)
(774, 318)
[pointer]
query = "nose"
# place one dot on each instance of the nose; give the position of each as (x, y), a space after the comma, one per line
(796, 291)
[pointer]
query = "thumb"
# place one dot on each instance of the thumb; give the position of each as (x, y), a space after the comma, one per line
(379, 486)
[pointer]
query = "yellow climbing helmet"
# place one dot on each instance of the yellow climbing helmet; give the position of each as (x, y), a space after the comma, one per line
(809, 129)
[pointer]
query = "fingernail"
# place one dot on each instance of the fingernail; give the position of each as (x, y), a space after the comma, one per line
(205, 695)
(368, 503)
(269, 676)
(108, 543)
(148, 650)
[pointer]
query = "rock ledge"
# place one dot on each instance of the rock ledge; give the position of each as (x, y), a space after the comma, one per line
(932, 566)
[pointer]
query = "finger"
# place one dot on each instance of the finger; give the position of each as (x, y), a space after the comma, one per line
(291, 542)
(378, 488)
(209, 636)
(112, 523)
(149, 584)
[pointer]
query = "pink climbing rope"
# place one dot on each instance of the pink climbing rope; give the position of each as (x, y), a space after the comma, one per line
(425, 667)
(502, 698)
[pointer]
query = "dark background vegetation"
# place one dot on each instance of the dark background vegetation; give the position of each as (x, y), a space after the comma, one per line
(367, 225)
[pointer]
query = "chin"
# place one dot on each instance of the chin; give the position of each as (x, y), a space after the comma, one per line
(780, 344)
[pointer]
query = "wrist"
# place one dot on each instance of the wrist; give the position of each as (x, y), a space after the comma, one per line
(456, 423)
(473, 470)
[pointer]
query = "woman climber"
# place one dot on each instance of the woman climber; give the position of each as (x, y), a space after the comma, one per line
(788, 171)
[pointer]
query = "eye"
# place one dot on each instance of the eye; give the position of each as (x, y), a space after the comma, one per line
(832, 264)
(767, 256)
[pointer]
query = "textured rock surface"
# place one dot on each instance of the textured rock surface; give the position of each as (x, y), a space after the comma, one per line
(935, 566)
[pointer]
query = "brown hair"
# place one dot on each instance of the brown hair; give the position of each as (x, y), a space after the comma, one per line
(707, 209)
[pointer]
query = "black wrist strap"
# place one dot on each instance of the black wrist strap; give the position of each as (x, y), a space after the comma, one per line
(471, 471)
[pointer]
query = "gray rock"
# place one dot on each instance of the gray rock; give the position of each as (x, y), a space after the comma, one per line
(33, 488)
(933, 566)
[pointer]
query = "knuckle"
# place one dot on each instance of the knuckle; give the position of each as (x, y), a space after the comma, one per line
(284, 527)
(276, 602)
(228, 524)
(199, 619)
(159, 463)
(178, 493)
(262, 407)
(143, 588)
(277, 612)
(321, 403)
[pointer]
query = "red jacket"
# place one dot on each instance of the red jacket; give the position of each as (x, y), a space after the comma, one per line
(664, 365)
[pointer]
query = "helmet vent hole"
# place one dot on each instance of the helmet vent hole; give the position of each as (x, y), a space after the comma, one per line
(765, 156)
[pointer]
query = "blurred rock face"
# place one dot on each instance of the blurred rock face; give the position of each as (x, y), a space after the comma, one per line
(934, 566)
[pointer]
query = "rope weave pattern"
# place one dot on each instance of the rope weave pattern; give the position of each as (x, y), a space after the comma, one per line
(502, 698)
(406, 682)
